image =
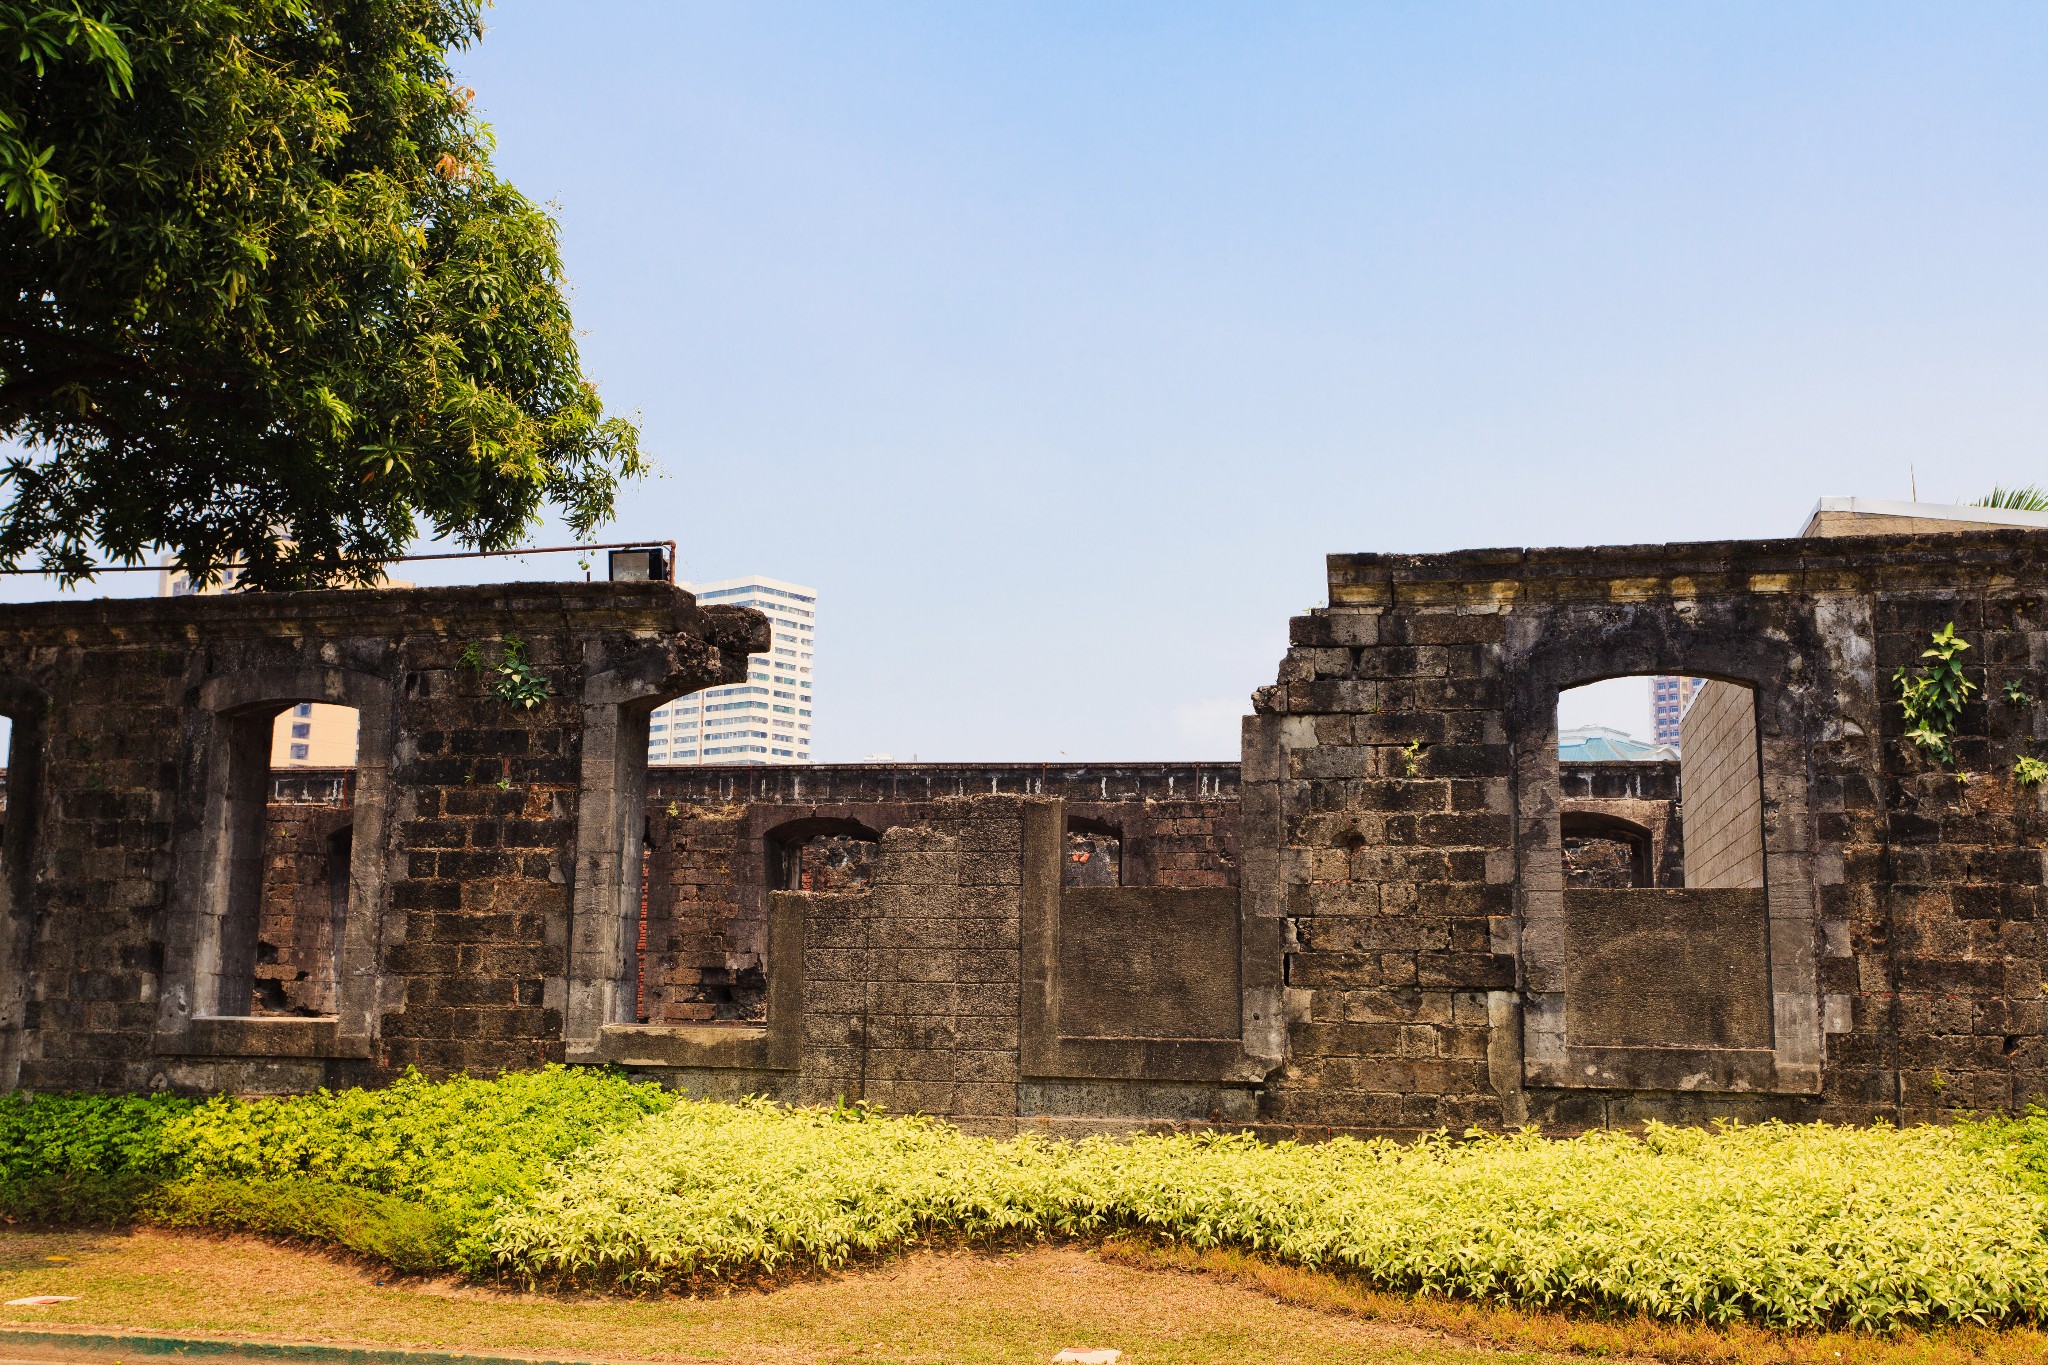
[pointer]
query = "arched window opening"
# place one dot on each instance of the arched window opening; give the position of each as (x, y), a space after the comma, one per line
(1605, 852)
(641, 1004)
(6, 779)
(1094, 854)
(836, 862)
(21, 739)
(314, 734)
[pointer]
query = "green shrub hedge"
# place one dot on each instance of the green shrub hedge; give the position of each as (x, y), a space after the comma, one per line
(403, 1174)
(83, 1158)
(1783, 1225)
(583, 1177)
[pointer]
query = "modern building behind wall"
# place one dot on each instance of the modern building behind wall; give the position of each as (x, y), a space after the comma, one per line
(1669, 698)
(766, 719)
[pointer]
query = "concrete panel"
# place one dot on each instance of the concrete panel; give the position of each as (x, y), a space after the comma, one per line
(1667, 968)
(1148, 962)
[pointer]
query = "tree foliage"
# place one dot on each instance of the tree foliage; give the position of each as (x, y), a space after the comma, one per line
(2022, 498)
(266, 301)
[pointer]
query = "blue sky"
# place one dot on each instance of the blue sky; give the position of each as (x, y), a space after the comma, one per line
(1056, 344)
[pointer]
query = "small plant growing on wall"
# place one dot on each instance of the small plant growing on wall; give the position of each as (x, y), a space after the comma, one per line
(2017, 695)
(2029, 771)
(1411, 758)
(1933, 694)
(514, 679)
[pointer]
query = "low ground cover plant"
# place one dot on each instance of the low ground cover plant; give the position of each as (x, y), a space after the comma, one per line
(403, 1174)
(1784, 1225)
(579, 1177)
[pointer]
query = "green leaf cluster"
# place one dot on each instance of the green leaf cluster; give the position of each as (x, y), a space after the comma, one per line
(403, 1173)
(2021, 498)
(513, 678)
(84, 1158)
(452, 1148)
(518, 682)
(268, 303)
(1932, 696)
(1788, 1226)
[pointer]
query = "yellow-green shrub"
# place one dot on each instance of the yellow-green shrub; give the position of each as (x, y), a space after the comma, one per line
(447, 1149)
(1776, 1224)
(708, 1190)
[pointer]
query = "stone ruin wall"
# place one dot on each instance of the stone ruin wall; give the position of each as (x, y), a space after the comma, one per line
(134, 910)
(1440, 973)
(702, 931)
(709, 831)
(1621, 824)
(1375, 925)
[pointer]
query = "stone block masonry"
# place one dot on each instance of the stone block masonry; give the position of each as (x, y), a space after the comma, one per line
(1723, 788)
(710, 831)
(135, 947)
(1367, 927)
(1440, 973)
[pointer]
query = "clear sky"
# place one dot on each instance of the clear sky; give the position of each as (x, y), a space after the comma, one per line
(1056, 344)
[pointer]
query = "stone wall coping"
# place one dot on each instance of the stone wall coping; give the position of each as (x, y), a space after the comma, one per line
(1719, 565)
(920, 782)
(535, 607)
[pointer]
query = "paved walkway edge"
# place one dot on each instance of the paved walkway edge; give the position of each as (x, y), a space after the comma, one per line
(16, 1340)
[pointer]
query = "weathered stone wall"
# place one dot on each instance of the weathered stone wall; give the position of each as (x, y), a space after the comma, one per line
(1723, 791)
(308, 845)
(967, 979)
(1432, 948)
(710, 829)
(1371, 930)
(911, 982)
(133, 944)
(1604, 807)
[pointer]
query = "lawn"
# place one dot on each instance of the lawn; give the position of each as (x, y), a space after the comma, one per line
(936, 1307)
(1157, 1304)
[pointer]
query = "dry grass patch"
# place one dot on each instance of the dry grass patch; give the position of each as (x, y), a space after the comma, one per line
(952, 1307)
(1511, 1329)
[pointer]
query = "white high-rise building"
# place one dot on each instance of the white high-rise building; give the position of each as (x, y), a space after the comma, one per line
(767, 718)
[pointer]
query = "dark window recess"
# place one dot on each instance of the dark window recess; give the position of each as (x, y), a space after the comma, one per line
(1094, 855)
(823, 855)
(836, 862)
(1602, 861)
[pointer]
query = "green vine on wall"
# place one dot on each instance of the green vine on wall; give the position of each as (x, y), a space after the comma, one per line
(515, 681)
(1932, 695)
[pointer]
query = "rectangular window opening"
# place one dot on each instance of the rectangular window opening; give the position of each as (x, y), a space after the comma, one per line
(291, 844)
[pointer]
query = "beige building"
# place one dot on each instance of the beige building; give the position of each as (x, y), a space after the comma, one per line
(1874, 517)
(311, 734)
